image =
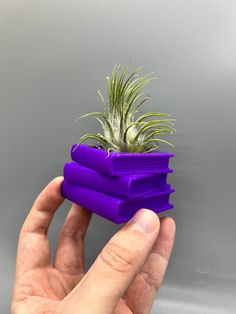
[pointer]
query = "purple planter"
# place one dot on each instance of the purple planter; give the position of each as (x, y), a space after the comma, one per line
(112, 208)
(116, 185)
(126, 186)
(120, 163)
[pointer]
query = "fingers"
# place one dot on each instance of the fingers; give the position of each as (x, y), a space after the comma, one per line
(70, 252)
(142, 292)
(33, 246)
(116, 266)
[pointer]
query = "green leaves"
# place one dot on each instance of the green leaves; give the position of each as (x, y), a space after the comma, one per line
(155, 114)
(122, 131)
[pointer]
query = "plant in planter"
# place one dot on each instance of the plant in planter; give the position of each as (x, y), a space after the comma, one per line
(123, 171)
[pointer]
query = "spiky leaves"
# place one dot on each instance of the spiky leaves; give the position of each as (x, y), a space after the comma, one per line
(122, 130)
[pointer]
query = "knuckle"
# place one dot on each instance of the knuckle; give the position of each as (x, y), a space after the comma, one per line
(117, 258)
(72, 233)
(150, 280)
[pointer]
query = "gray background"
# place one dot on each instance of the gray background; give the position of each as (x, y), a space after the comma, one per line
(54, 55)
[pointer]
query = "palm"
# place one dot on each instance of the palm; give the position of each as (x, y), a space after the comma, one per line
(42, 289)
(46, 287)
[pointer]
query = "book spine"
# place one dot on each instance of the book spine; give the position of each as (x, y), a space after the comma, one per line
(92, 158)
(86, 177)
(99, 203)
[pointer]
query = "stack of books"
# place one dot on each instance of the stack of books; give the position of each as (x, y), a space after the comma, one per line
(115, 185)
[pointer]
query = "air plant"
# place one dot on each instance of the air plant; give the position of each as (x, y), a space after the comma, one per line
(125, 129)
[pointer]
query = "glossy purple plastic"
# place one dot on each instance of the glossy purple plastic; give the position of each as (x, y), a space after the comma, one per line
(113, 208)
(126, 186)
(120, 163)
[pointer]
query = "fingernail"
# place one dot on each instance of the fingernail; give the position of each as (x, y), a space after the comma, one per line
(145, 219)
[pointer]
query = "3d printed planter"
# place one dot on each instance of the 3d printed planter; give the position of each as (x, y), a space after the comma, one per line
(117, 184)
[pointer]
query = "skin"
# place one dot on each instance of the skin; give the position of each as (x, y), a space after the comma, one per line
(124, 279)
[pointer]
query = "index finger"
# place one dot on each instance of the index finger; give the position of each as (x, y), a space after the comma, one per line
(33, 246)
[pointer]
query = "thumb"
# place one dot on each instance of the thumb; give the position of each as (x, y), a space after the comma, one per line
(117, 265)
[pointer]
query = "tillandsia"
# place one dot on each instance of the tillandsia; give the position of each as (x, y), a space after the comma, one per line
(125, 129)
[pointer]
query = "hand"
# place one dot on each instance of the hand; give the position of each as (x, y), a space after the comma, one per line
(124, 278)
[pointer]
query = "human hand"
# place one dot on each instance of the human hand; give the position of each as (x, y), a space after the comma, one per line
(124, 279)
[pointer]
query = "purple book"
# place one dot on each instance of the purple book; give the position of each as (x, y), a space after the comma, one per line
(120, 163)
(126, 186)
(112, 208)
